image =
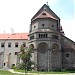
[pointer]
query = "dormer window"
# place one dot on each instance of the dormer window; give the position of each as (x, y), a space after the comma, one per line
(43, 13)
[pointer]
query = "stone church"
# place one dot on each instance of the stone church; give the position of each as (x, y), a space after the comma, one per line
(51, 48)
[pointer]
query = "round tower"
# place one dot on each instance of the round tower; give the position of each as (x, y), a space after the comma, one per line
(44, 37)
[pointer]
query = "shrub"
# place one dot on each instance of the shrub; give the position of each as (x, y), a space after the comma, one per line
(13, 67)
(20, 66)
(58, 70)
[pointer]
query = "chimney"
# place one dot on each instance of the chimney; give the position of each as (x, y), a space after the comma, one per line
(12, 31)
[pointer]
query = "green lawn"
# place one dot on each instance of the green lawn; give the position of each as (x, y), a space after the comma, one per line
(3, 72)
(55, 72)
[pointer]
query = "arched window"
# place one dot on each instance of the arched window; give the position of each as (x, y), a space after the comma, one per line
(55, 48)
(42, 47)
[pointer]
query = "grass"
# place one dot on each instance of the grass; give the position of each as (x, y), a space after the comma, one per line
(55, 72)
(3, 72)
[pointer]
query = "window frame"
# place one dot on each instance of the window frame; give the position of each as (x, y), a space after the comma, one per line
(9, 44)
(67, 55)
(2, 45)
(16, 44)
(24, 44)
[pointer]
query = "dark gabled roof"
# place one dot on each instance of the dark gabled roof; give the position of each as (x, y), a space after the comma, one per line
(44, 14)
(45, 8)
(68, 38)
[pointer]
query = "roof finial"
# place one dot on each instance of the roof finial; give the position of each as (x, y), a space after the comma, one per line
(47, 3)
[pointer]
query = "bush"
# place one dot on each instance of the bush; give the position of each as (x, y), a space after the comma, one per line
(20, 66)
(58, 70)
(13, 67)
(71, 69)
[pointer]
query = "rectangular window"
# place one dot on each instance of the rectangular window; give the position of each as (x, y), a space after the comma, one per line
(9, 44)
(16, 44)
(13, 64)
(43, 35)
(67, 55)
(9, 53)
(16, 53)
(55, 37)
(2, 44)
(31, 37)
(24, 44)
(4, 64)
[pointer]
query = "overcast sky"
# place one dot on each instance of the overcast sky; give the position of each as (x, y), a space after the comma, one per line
(17, 14)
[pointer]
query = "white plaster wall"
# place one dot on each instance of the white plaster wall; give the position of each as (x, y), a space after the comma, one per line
(7, 50)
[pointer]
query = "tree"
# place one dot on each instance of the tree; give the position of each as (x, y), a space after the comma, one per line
(25, 55)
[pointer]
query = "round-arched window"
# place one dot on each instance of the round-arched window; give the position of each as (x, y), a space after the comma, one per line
(42, 47)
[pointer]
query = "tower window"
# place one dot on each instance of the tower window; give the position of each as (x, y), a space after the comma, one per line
(32, 37)
(43, 13)
(43, 25)
(34, 26)
(55, 37)
(52, 25)
(43, 35)
(67, 55)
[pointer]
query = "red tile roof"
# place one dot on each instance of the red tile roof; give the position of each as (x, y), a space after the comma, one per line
(46, 15)
(14, 36)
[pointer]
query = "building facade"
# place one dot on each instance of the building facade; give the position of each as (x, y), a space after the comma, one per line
(9, 48)
(51, 48)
